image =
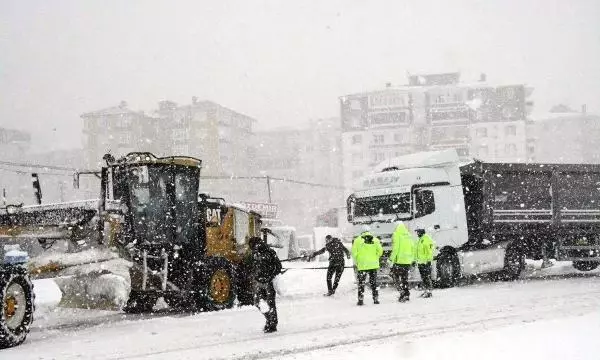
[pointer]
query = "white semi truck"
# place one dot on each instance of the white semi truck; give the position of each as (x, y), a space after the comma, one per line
(484, 217)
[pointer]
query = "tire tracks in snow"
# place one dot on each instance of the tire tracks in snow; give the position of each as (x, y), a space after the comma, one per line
(286, 343)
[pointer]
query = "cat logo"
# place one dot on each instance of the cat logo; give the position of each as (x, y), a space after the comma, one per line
(213, 216)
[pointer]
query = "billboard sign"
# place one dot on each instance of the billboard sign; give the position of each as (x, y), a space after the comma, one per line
(264, 209)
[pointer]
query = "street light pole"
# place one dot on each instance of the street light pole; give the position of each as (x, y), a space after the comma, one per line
(269, 188)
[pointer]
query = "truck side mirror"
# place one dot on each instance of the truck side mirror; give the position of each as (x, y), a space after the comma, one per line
(350, 208)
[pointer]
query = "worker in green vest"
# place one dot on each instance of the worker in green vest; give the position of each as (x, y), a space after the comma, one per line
(366, 251)
(424, 257)
(402, 259)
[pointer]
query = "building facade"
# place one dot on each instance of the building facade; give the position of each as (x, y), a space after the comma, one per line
(569, 137)
(118, 130)
(221, 137)
(15, 187)
(311, 155)
(433, 112)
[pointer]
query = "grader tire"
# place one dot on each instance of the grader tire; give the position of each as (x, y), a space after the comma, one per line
(217, 282)
(17, 301)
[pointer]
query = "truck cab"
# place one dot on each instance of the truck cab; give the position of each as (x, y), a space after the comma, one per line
(423, 191)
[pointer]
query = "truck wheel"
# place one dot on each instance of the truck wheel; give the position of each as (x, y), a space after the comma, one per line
(585, 265)
(448, 270)
(514, 263)
(17, 299)
(140, 302)
(217, 284)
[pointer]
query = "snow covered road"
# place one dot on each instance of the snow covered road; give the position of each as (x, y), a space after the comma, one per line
(503, 316)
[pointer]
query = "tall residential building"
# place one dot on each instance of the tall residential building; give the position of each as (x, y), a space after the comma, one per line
(221, 137)
(311, 155)
(15, 187)
(433, 112)
(564, 137)
(117, 130)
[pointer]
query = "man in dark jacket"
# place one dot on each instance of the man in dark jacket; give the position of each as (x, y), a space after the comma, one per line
(265, 266)
(336, 251)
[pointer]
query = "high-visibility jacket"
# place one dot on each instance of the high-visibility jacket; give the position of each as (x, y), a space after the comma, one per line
(425, 247)
(403, 246)
(366, 251)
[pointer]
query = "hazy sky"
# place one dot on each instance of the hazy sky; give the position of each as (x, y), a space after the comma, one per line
(282, 62)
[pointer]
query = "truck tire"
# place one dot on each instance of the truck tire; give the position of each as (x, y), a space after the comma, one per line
(514, 263)
(448, 269)
(140, 302)
(17, 301)
(585, 265)
(216, 282)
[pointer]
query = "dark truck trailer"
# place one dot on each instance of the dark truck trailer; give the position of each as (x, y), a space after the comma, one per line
(541, 207)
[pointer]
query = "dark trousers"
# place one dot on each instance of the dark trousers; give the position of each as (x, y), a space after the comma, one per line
(425, 272)
(362, 277)
(399, 274)
(334, 271)
(266, 293)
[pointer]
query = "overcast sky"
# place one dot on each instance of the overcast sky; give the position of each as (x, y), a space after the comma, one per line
(281, 62)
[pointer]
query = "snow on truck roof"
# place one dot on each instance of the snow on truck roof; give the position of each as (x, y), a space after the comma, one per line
(428, 159)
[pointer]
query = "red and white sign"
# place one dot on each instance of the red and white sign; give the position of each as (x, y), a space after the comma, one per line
(264, 209)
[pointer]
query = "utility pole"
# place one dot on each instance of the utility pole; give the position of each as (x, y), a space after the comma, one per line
(269, 188)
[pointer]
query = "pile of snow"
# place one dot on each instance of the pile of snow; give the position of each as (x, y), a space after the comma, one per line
(47, 295)
(103, 285)
(63, 259)
(93, 278)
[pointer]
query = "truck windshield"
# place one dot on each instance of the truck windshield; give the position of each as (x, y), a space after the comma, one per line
(382, 205)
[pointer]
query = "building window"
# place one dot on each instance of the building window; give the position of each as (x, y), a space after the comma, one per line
(357, 174)
(378, 157)
(179, 134)
(124, 138)
(510, 149)
(124, 122)
(378, 139)
(357, 158)
(401, 138)
(481, 132)
(181, 150)
(356, 139)
(510, 130)
(483, 151)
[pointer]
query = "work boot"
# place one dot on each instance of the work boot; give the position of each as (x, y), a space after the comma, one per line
(329, 293)
(269, 329)
(376, 301)
(360, 303)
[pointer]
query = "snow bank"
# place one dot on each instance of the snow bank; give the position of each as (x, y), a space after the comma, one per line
(47, 295)
(70, 259)
(104, 285)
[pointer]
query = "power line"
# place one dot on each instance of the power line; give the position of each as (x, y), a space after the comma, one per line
(38, 166)
(300, 182)
(22, 172)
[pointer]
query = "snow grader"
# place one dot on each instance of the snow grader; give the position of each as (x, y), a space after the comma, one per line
(185, 246)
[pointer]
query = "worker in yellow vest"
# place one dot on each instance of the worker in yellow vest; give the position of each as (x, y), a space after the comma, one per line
(424, 257)
(402, 259)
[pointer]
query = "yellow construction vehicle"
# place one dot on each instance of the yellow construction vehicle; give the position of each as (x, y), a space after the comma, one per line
(185, 246)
